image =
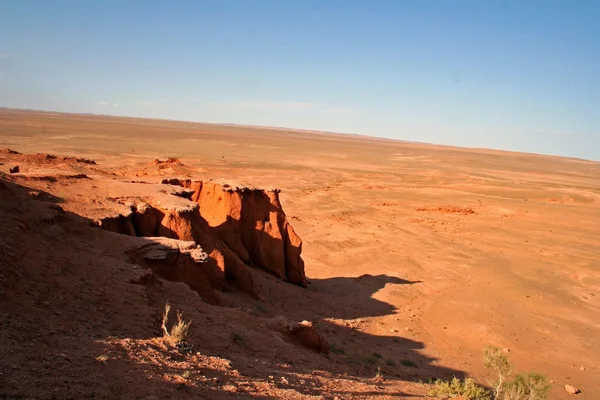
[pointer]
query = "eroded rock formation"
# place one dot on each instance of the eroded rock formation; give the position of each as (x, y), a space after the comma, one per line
(236, 227)
(253, 225)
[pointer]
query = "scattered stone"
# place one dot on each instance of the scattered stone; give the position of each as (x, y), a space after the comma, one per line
(571, 389)
(284, 381)
(230, 388)
(14, 170)
(506, 350)
(582, 368)
(393, 330)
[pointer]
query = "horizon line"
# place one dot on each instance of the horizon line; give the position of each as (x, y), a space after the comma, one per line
(301, 130)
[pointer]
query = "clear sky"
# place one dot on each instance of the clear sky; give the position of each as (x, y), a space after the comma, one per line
(516, 75)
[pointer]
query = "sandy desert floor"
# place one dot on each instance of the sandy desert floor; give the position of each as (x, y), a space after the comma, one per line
(418, 255)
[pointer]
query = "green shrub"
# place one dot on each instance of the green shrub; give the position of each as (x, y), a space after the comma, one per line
(495, 359)
(532, 386)
(465, 388)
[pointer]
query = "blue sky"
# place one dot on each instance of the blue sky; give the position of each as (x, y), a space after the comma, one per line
(516, 75)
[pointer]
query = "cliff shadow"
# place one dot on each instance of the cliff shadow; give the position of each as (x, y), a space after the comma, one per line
(70, 291)
(344, 310)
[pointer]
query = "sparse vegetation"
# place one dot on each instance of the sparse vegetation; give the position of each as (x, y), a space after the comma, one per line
(496, 360)
(378, 374)
(103, 358)
(408, 363)
(466, 388)
(390, 363)
(531, 386)
(180, 332)
(377, 355)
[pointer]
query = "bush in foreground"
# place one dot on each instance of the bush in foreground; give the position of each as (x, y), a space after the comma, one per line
(530, 386)
(466, 388)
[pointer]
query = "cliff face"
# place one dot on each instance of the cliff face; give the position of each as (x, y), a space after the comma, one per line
(237, 228)
(253, 225)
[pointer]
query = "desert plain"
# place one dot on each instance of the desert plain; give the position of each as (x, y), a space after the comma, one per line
(416, 257)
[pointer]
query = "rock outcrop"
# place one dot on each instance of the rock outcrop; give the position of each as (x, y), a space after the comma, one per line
(252, 223)
(180, 261)
(237, 228)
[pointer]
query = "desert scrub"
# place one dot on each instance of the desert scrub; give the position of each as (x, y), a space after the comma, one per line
(464, 388)
(531, 386)
(408, 363)
(495, 359)
(180, 332)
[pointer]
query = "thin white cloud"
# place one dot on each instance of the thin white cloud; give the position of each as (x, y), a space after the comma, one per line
(146, 103)
(168, 101)
(107, 104)
(264, 105)
(545, 132)
(284, 106)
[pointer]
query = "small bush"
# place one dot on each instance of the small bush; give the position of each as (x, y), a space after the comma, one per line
(495, 359)
(103, 358)
(180, 332)
(465, 388)
(532, 386)
(408, 363)
(379, 375)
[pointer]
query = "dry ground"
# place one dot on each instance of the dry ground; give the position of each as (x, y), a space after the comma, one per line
(463, 248)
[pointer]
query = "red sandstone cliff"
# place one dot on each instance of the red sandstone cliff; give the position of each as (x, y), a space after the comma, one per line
(237, 228)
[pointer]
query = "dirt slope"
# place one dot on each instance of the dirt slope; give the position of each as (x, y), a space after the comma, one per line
(81, 305)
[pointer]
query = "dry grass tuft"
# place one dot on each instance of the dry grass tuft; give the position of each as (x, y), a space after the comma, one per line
(180, 332)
